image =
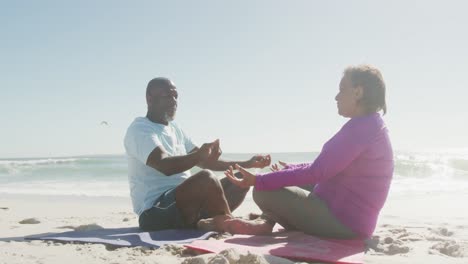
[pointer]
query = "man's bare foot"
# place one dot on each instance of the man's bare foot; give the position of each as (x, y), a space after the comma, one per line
(253, 216)
(248, 227)
(213, 224)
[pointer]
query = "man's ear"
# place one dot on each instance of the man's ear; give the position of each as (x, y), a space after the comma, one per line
(149, 98)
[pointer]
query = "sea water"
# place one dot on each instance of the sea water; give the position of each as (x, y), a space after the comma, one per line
(416, 173)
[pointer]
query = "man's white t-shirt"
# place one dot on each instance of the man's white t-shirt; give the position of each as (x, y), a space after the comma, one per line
(146, 183)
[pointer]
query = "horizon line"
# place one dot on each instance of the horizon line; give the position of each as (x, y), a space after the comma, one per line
(439, 150)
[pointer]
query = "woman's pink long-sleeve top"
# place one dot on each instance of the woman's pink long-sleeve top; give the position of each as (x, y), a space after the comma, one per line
(352, 173)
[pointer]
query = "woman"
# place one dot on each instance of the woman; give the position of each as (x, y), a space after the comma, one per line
(352, 173)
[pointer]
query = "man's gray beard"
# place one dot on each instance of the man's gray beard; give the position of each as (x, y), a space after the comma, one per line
(168, 117)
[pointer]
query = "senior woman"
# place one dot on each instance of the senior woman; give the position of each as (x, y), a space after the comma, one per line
(351, 175)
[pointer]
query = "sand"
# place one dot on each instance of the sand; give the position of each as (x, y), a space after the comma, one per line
(432, 229)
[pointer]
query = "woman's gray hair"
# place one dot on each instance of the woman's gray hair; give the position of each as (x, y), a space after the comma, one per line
(373, 85)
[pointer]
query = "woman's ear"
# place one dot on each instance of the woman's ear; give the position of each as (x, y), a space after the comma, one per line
(358, 93)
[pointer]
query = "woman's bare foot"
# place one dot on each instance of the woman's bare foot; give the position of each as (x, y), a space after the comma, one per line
(213, 224)
(248, 227)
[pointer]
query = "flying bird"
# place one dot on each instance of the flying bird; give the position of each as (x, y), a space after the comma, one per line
(104, 123)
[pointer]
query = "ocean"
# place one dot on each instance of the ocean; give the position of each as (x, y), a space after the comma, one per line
(416, 173)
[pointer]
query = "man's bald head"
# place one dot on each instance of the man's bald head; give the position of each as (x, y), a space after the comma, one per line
(158, 83)
(161, 98)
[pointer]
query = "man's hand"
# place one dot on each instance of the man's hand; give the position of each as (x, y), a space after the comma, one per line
(205, 151)
(275, 167)
(259, 161)
(215, 151)
(210, 152)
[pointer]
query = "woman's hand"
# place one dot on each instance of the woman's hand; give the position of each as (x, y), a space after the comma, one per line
(247, 180)
(259, 161)
(275, 166)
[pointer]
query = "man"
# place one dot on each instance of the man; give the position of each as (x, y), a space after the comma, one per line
(160, 156)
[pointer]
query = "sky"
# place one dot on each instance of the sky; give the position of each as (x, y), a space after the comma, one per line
(259, 75)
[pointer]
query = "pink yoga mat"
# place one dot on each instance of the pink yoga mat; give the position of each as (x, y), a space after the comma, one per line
(292, 245)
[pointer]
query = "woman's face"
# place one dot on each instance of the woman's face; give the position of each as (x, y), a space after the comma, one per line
(347, 99)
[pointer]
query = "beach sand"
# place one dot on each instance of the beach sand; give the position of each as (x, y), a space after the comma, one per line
(432, 229)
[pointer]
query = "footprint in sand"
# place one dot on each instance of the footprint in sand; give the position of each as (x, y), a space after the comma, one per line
(88, 227)
(403, 235)
(439, 234)
(396, 248)
(441, 231)
(398, 230)
(202, 259)
(410, 237)
(232, 256)
(29, 221)
(448, 248)
(391, 244)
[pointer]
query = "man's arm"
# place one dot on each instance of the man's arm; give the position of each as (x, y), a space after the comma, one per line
(257, 161)
(160, 160)
(222, 165)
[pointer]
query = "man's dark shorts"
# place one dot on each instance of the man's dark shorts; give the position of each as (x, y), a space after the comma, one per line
(163, 215)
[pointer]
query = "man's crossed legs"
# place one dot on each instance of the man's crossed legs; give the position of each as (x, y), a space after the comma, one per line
(202, 196)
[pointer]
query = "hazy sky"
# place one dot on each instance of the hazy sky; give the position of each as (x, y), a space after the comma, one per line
(259, 75)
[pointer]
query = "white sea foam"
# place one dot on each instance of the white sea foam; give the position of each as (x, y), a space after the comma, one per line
(32, 162)
(415, 173)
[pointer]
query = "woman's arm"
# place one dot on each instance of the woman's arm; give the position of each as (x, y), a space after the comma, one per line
(337, 154)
